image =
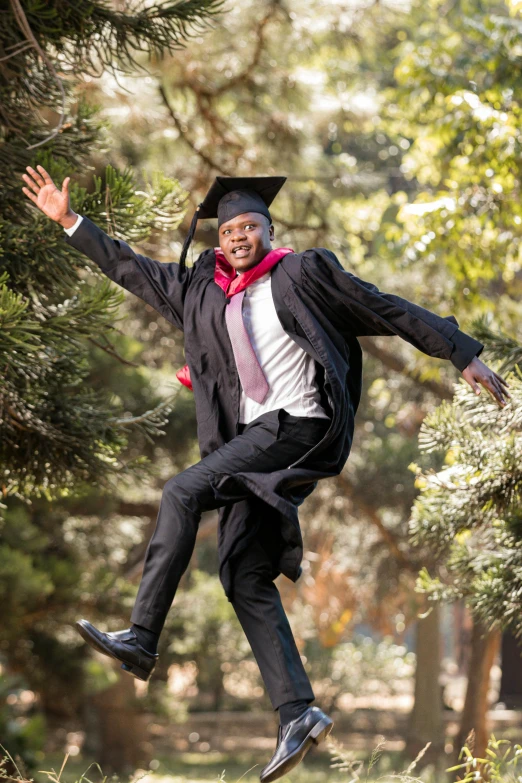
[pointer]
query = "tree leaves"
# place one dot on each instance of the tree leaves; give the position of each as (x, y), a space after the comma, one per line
(470, 511)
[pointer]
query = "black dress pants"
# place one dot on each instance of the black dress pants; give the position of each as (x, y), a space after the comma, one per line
(271, 442)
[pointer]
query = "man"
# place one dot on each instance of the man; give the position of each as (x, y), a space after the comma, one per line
(275, 366)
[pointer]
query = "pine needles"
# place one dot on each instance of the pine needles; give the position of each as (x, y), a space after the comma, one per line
(470, 511)
(56, 431)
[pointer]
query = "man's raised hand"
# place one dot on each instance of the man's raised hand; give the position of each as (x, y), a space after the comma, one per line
(53, 202)
(477, 372)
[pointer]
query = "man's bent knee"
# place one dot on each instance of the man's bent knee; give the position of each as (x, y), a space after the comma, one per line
(181, 490)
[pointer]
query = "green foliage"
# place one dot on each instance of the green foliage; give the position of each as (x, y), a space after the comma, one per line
(469, 511)
(457, 101)
(56, 429)
(58, 561)
(501, 763)
(128, 213)
(502, 345)
(72, 432)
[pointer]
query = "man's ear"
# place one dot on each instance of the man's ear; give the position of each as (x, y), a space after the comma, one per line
(271, 233)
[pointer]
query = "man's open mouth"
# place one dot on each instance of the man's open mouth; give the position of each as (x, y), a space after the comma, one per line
(241, 250)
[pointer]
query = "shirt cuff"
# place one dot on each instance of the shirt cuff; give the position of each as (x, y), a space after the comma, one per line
(465, 348)
(74, 226)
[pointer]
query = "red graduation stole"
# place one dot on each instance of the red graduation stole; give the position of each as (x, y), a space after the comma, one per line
(232, 283)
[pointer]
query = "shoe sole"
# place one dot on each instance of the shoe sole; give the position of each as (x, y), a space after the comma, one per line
(317, 734)
(131, 668)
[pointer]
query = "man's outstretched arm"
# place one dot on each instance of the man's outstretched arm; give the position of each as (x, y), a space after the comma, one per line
(163, 286)
(358, 308)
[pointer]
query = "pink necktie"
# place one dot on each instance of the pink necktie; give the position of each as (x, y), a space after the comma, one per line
(250, 373)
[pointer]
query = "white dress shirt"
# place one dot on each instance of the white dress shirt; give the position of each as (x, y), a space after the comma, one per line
(289, 370)
(74, 226)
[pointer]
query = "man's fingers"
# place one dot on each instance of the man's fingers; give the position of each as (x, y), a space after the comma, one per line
(499, 395)
(65, 186)
(502, 388)
(31, 183)
(36, 176)
(497, 380)
(45, 174)
(30, 195)
(503, 382)
(495, 388)
(492, 381)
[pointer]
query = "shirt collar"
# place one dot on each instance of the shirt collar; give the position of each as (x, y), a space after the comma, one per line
(227, 278)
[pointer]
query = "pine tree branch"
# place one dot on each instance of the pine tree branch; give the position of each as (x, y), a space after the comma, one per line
(503, 346)
(112, 352)
(245, 74)
(19, 48)
(212, 164)
(162, 27)
(148, 416)
(21, 18)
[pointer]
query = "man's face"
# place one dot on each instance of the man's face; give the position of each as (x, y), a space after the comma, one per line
(246, 239)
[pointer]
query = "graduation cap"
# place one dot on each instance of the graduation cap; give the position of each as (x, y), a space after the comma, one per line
(232, 196)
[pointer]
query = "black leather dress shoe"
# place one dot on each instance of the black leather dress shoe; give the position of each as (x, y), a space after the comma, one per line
(122, 645)
(294, 740)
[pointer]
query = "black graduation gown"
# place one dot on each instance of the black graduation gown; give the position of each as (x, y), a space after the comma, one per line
(323, 308)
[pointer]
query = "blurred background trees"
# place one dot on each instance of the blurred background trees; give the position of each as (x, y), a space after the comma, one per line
(399, 128)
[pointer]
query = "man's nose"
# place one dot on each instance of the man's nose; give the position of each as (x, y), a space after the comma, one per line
(238, 233)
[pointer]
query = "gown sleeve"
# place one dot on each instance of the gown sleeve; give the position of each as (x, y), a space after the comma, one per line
(163, 286)
(357, 308)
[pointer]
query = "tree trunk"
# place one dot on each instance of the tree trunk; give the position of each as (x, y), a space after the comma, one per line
(426, 719)
(484, 648)
(118, 727)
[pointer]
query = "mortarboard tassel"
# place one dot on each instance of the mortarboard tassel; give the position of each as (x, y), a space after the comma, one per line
(189, 238)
